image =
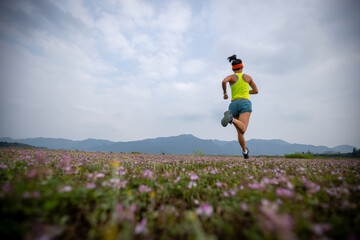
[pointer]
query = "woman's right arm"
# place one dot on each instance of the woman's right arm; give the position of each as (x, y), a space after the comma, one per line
(226, 80)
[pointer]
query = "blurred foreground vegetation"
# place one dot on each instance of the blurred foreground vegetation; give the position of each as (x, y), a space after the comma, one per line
(47, 194)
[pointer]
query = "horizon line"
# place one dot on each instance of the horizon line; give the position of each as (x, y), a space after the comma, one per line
(185, 134)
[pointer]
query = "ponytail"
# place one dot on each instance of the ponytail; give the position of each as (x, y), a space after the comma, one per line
(236, 63)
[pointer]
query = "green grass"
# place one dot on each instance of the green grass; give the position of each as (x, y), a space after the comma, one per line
(84, 195)
(301, 156)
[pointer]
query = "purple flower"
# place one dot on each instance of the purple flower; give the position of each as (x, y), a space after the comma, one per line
(36, 194)
(7, 187)
(32, 173)
(125, 214)
(122, 184)
(320, 228)
(311, 187)
(133, 207)
(90, 185)
(283, 192)
(205, 210)
(140, 227)
(144, 188)
(3, 166)
(271, 220)
(119, 207)
(256, 185)
(268, 207)
(301, 169)
(39, 156)
(105, 183)
(66, 188)
(192, 184)
(193, 177)
(244, 207)
(148, 174)
(177, 180)
(66, 159)
(100, 175)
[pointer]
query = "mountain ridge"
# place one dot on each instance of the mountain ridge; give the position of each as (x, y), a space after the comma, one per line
(181, 144)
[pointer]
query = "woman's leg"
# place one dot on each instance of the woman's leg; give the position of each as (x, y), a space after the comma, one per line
(241, 123)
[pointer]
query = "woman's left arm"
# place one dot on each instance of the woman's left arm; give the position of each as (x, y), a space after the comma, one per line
(254, 89)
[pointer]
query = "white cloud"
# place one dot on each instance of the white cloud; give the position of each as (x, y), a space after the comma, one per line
(159, 66)
(91, 69)
(184, 86)
(138, 11)
(176, 17)
(115, 40)
(126, 33)
(193, 66)
(78, 10)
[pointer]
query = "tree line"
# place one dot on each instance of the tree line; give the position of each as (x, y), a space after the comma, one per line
(354, 154)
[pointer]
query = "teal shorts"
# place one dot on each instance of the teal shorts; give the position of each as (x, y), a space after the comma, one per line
(240, 106)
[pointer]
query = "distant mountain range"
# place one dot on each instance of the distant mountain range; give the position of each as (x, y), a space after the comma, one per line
(183, 144)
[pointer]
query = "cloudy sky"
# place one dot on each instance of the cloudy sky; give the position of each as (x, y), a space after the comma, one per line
(126, 70)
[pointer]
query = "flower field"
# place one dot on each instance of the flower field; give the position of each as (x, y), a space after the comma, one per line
(46, 194)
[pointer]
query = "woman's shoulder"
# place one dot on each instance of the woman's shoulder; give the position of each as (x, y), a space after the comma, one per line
(233, 77)
(247, 78)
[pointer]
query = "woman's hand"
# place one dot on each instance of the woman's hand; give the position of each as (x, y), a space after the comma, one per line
(226, 96)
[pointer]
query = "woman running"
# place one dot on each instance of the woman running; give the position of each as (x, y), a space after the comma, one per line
(240, 106)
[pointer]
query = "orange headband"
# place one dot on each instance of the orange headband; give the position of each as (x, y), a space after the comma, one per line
(240, 65)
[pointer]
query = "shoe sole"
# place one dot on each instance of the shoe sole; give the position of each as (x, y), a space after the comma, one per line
(226, 119)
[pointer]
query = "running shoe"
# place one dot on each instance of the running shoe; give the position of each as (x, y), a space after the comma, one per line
(246, 155)
(228, 118)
